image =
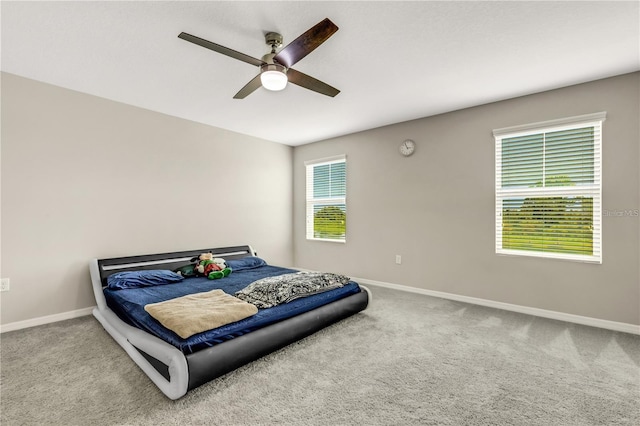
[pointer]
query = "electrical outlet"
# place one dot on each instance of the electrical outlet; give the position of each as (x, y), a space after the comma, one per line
(4, 284)
(398, 259)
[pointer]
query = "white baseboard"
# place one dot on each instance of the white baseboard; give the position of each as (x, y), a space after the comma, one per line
(561, 316)
(18, 325)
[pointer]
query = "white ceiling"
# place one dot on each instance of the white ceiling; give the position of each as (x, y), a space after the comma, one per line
(393, 61)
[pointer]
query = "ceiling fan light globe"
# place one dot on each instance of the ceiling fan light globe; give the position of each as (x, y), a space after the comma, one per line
(273, 80)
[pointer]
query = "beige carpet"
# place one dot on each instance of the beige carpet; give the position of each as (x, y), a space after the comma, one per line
(408, 360)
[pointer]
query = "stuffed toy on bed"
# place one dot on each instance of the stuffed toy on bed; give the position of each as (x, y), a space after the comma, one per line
(187, 271)
(212, 267)
(191, 270)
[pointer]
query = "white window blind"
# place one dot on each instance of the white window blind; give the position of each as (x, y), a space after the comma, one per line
(327, 199)
(549, 189)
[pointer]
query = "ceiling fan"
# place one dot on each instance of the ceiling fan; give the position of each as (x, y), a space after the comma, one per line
(275, 68)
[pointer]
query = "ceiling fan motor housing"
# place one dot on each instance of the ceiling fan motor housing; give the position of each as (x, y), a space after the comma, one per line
(273, 67)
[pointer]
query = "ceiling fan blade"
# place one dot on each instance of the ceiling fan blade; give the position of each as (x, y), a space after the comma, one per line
(249, 88)
(308, 82)
(306, 43)
(220, 49)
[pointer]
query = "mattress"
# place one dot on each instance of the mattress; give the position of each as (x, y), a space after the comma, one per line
(129, 305)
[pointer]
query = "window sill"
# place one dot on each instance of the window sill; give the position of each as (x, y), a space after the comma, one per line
(545, 255)
(328, 240)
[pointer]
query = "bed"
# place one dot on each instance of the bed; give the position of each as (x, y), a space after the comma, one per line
(178, 364)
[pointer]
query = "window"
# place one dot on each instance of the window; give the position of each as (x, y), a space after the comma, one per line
(327, 199)
(548, 189)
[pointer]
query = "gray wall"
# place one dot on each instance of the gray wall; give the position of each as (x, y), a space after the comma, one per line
(436, 208)
(86, 177)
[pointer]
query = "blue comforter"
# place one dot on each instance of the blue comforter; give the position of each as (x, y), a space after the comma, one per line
(129, 305)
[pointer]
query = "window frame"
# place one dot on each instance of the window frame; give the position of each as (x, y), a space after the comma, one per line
(593, 190)
(311, 202)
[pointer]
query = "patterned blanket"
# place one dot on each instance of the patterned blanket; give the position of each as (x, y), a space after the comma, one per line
(272, 291)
